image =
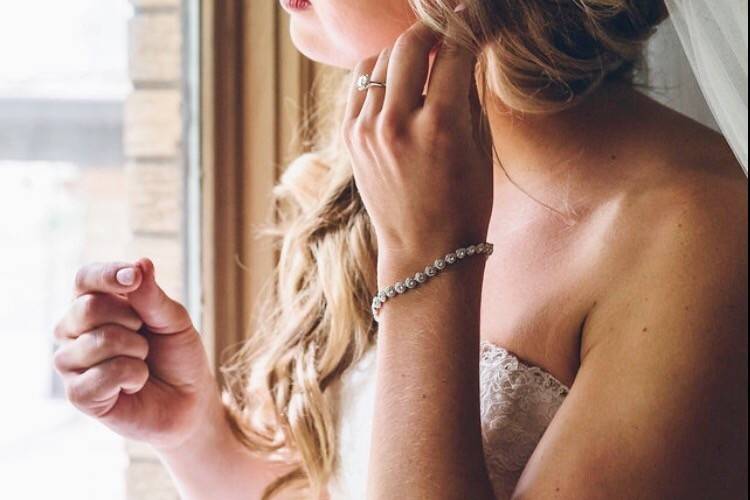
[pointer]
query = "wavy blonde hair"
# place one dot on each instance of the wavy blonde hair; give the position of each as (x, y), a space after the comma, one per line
(535, 56)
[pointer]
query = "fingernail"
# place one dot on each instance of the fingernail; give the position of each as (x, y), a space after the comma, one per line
(126, 276)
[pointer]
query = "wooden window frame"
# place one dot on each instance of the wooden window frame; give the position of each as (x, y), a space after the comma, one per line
(256, 89)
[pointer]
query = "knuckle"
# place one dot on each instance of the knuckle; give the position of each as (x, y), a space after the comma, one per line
(361, 132)
(182, 310)
(80, 278)
(417, 34)
(119, 366)
(141, 372)
(105, 341)
(348, 130)
(404, 40)
(89, 305)
(364, 63)
(58, 331)
(60, 359)
(76, 392)
(435, 119)
(438, 125)
(390, 128)
(128, 368)
(137, 322)
(143, 346)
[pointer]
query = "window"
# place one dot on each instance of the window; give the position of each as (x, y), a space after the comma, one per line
(98, 162)
(130, 128)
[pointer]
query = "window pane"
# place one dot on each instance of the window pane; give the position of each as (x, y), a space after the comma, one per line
(95, 114)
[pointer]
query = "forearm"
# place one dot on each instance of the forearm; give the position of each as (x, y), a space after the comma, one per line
(214, 464)
(427, 431)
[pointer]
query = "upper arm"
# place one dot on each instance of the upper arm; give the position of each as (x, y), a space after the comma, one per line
(658, 408)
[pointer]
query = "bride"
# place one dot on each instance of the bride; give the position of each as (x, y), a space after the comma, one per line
(504, 273)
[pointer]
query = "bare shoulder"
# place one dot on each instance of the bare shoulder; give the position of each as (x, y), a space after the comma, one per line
(696, 209)
(685, 226)
(663, 357)
(686, 181)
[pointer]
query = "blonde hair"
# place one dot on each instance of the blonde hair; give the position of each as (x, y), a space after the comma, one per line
(535, 56)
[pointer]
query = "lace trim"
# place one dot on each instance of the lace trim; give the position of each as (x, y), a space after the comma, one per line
(517, 403)
(495, 355)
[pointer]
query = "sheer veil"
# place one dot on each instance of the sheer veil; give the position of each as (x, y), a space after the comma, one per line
(713, 34)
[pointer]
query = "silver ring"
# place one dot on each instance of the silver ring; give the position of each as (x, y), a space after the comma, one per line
(364, 82)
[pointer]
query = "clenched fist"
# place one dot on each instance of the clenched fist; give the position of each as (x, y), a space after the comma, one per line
(130, 356)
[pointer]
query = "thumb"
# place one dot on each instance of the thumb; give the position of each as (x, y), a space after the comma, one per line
(160, 314)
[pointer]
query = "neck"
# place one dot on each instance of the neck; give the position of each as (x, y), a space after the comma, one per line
(551, 155)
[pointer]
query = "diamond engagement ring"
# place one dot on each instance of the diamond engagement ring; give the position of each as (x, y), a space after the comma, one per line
(364, 83)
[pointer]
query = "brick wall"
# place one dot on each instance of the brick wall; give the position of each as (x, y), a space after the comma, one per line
(153, 148)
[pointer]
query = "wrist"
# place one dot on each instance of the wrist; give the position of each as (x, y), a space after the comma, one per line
(397, 266)
(455, 292)
(211, 433)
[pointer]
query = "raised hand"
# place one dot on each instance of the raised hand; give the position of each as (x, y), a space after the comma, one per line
(422, 168)
(131, 357)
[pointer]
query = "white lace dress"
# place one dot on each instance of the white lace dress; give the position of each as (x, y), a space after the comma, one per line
(517, 404)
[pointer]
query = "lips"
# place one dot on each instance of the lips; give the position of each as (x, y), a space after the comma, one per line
(297, 4)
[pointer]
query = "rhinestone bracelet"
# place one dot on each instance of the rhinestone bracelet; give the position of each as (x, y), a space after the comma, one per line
(401, 287)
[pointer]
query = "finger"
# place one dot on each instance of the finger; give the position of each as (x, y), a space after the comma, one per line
(96, 346)
(408, 67)
(96, 390)
(356, 96)
(159, 312)
(376, 95)
(93, 310)
(106, 277)
(451, 77)
(481, 127)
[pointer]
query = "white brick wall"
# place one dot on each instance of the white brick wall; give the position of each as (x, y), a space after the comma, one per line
(152, 140)
(155, 45)
(153, 123)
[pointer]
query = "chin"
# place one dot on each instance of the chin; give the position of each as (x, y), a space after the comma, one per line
(319, 49)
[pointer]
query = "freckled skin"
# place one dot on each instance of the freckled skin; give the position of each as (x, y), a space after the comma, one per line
(626, 246)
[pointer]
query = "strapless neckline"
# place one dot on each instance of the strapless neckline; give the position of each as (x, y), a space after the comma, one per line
(517, 402)
(490, 349)
(545, 377)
